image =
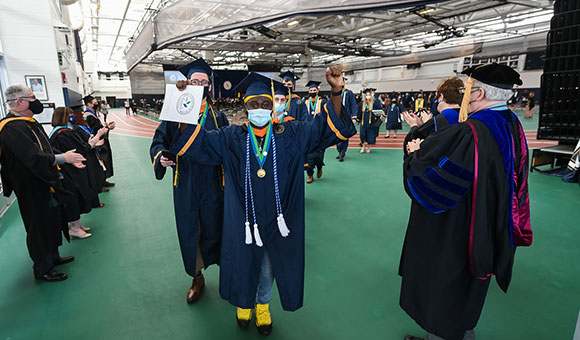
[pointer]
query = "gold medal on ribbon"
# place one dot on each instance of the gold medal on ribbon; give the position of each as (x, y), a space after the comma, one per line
(261, 173)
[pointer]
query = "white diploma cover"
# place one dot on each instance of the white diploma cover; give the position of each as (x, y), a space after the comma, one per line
(182, 106)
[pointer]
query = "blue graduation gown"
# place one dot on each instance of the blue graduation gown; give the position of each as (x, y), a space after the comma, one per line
(297, 109)
(367, 119)
(349, 103)
(394, 120)
(316, 158)
(240, 262)
(198, 197)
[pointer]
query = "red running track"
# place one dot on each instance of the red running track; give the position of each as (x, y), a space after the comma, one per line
(139, 126)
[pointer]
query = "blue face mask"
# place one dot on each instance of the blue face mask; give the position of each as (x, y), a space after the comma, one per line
(280, 108)
(259, 117)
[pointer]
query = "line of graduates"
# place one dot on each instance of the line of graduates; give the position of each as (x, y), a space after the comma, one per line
(257, 231)
(53, 177)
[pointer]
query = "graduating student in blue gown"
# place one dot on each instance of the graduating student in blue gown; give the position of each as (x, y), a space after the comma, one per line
(264, 196)
(349, 104)
(369, 122)
(295, 107)
(394, 118)
(448, 99)
(197, 188)
(470, 208)
(314, 104)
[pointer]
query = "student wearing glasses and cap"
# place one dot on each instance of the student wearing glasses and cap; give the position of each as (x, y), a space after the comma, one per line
(314, 105)
(470, 208)
(295, 107)
(263, 226)
(198, 196)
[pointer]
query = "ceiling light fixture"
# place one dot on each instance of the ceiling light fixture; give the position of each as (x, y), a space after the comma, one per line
(363, 29)
(292, 23)
(287, 39)
(260, 48)
(426, 10)
(206, 15)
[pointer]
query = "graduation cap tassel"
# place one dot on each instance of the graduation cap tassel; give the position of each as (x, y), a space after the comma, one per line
(465, 101)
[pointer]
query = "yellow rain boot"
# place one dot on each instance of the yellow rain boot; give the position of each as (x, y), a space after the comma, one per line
(244, 316)
(263, 319)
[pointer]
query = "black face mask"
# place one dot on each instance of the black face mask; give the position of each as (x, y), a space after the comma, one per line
(36, 107)
(313, 95)
(205, 91)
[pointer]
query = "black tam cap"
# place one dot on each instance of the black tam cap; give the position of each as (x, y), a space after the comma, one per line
(496, 75)
(88, 99)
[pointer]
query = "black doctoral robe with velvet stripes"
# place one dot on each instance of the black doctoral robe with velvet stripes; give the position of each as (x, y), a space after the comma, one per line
(457, 238)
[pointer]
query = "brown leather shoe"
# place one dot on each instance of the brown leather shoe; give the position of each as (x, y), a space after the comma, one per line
(319, 173)
(195, 291)
(310, 179)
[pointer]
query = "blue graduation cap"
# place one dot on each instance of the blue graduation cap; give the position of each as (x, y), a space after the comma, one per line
(197, 66)
(289, 75)
(367, 90)
(280, 90)
(313, 84)
(255, 84)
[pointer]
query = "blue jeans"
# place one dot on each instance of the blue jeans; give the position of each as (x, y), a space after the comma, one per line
(266, 280)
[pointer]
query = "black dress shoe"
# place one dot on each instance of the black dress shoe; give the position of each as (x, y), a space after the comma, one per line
(104, 189)
(108, 184)
(53, 276)
(64, 260)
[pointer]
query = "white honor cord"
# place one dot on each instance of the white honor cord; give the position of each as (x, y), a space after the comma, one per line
(282, 227)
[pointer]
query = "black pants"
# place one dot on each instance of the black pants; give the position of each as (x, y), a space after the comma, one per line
(43, 226)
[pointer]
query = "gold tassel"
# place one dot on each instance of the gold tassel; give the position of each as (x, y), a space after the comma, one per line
(273, 100)
(176, 177)
(465, 102)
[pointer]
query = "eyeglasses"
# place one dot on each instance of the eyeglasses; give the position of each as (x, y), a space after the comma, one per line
(33, 97)
(196, 82)
(473, 89)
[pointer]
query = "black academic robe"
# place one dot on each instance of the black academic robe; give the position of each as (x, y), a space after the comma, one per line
(460, 226)
(75, 180)
(369, 125)
(241, 262)
(95, 170)
(28, 169)
(297, 108)
(314, 159)
(198, 196)
(105, 151)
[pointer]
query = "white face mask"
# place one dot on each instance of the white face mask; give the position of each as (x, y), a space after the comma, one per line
(259, 117)
(280, 108)
(368, 96)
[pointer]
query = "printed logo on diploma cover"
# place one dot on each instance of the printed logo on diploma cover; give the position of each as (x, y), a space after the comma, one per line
(185, 104)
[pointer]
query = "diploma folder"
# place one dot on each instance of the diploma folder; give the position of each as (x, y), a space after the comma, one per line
(182, 106)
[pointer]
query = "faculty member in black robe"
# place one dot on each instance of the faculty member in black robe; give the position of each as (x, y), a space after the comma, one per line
(29, 169)
(94, 124)
(75, 180)
(470, 208)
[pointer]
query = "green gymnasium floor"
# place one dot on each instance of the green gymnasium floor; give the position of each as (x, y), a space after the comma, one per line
(128, 281)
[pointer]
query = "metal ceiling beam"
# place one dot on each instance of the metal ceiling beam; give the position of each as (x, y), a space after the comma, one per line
(120, 27)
